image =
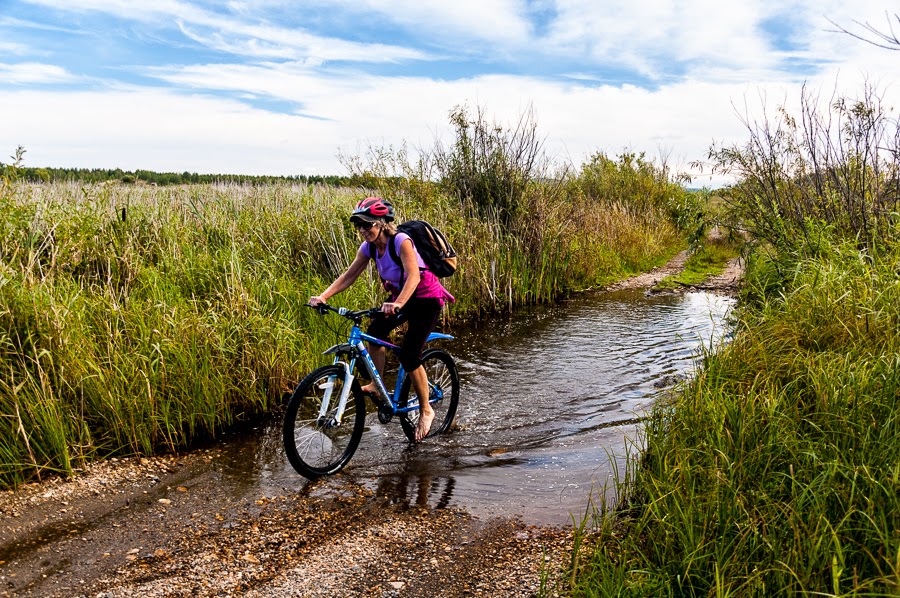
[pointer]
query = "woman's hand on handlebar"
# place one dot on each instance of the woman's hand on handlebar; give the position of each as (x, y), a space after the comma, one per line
(390, 308)
(316, 300)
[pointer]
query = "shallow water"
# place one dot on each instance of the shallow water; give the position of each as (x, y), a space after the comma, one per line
(551, 406)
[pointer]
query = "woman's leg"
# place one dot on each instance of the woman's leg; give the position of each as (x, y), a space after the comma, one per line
(419, 380)
(423, 316)
(377, 353)
(379, 328)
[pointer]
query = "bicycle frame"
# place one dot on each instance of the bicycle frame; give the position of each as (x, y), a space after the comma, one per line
(356, 349)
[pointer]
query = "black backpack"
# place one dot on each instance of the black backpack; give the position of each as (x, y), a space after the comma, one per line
(437, 253)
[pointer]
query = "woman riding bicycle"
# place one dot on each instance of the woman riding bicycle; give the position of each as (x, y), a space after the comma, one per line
(416, 295)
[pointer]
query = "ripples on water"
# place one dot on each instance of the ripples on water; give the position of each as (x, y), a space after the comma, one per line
(550, 406)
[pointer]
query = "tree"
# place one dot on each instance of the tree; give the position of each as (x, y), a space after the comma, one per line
(872, 35)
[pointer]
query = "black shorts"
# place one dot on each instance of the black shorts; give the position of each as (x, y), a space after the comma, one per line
(422, 316)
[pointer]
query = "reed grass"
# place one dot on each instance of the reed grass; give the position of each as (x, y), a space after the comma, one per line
(138, 319)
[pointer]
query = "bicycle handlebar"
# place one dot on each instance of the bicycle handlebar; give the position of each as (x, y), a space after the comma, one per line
(355, 316)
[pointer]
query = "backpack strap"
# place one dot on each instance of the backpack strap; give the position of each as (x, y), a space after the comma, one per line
(392, 250)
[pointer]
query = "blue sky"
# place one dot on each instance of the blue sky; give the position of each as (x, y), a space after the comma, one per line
(276, 87)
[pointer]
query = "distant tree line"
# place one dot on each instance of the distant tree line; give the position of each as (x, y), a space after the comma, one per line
(100, 175)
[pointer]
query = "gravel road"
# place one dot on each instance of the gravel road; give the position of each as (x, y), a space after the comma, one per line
(160, 527)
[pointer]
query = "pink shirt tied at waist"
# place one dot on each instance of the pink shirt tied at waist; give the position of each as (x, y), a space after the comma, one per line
(430, 286)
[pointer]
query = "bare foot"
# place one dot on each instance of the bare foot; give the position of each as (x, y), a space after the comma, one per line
(424, 426)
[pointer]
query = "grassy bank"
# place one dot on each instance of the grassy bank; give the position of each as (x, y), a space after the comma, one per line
(136, 319)
(776, 471)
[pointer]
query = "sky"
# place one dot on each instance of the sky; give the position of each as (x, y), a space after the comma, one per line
(282, 87)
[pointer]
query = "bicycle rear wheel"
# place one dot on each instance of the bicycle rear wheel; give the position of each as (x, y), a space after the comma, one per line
(317, 445)
(443, 385)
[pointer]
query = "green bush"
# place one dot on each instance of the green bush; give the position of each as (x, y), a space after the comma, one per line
(490, 165)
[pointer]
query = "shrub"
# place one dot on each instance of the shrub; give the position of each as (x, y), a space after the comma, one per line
(491, 165)
(835, 172)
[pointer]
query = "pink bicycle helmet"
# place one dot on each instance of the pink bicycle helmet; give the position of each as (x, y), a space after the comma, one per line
(371, 209)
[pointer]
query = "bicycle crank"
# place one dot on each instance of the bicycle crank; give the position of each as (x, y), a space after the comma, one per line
(385, 413)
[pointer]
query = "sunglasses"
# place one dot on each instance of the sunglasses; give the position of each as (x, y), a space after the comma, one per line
(363, 225)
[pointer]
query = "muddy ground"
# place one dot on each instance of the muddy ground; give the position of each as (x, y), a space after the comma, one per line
(164, 527)
(161, 527)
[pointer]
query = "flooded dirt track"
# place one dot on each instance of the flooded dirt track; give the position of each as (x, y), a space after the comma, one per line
(551, 401)
(550, 406)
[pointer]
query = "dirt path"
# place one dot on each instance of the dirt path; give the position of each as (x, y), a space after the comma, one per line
(170, 526)
(726, 283)
(161, 527)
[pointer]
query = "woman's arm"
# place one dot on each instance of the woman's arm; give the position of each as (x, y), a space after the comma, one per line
(343, 281)
(411, 267)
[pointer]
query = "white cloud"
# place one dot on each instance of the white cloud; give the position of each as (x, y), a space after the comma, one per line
(6, 21)
(260, 41)
(651, 37)
(160, 130)
(163, 130)
(499, 22)
(135, 11)
(34, 73)
(726, 57)
(233, 35)
(706, 36)
(13, 49)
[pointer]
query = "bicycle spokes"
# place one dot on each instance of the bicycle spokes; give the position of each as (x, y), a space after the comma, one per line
(324, 420)
(319, 442)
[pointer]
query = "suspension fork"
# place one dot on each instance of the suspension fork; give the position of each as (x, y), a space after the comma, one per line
(342, 400)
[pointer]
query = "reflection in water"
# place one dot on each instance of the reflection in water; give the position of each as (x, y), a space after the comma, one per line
(422, 491)
(550, 408)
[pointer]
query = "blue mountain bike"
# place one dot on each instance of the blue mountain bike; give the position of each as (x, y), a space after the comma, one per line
(325, 416)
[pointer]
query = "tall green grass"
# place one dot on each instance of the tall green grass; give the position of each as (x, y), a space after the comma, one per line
(137, 319)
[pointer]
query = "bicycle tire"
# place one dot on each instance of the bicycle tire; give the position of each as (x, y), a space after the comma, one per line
(442, 374)
(318, 448)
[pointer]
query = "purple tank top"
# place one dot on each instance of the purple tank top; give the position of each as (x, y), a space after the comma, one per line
(429, 287)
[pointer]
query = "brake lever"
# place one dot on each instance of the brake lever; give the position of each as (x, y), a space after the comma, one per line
(320, 307)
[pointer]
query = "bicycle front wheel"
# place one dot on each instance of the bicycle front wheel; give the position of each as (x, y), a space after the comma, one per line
(443, 387)
(315, 442)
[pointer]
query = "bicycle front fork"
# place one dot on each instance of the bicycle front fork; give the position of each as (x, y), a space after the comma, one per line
(324, 420)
